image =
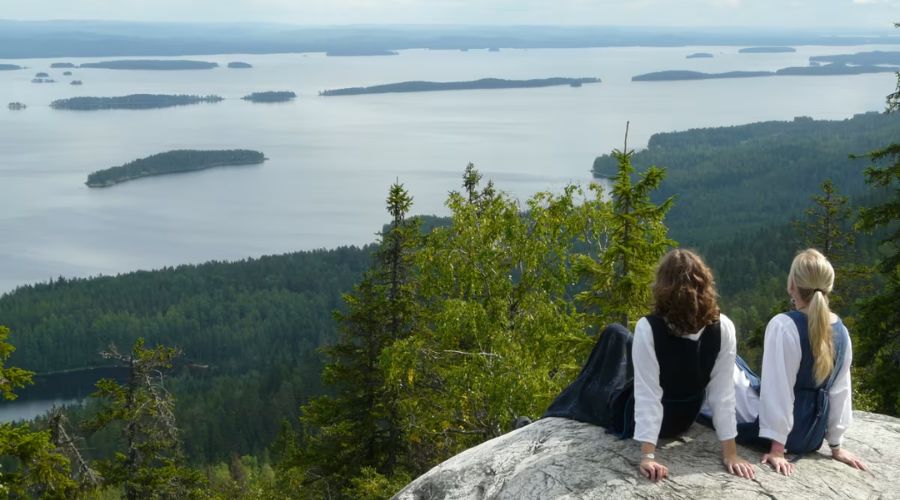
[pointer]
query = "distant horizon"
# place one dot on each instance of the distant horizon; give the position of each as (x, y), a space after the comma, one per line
(820, 14)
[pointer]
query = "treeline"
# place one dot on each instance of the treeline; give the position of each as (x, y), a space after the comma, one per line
(170, 162)
(270, 96)
(132, 101)
(151, 64)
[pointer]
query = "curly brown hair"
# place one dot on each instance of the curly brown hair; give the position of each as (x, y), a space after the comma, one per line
(685, 293)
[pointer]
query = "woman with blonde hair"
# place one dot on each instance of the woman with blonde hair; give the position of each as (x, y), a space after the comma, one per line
(804, 396)
(653, 386)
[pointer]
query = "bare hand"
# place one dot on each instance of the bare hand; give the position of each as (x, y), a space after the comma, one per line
(779, 463)
(842, 455)
(653, 470)
(736, 465)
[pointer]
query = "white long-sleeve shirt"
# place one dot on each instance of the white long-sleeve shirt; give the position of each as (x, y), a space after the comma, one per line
(781, 361)
(648, 408)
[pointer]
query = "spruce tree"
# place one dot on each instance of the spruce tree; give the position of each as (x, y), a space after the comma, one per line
(357, 427)
(620, 278)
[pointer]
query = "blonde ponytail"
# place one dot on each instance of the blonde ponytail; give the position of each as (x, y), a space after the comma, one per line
(813, 276)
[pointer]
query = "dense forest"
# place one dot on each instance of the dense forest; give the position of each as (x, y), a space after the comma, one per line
(172, 162)
(862, 58)
(132, 101)
(443, 334)
(484, 83)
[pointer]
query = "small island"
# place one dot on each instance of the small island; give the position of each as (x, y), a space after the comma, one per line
(43, 80)
(133, 101)
(67, 73)
(360, 52)
(151, 64)
(860, 58)
(41, 74)
(698, 55)
(239, 65)
(673, 75)
(484, 83)
(270, 96)
(9, 67)
(766, 50)
(75, 82)
(62, 65)
(16, 106)
(171, 162)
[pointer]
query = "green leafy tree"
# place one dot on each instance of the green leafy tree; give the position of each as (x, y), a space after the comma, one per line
(620, 278)
(38, 470)
(359, 426)
(499, 334)
(151, 465)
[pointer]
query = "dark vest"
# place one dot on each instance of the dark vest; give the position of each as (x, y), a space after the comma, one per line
(685, 367)
(811, 401)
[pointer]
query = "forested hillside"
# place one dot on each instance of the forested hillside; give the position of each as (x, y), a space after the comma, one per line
(251, 328)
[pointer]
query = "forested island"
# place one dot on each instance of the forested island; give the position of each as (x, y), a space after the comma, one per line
(860, 58)
(41, 74)
(270, 96)
(484, 83)
(698, 55)
(133, 101)
(812, 70)
(171, 162)
(239, 65)
(16, 106)
(672, 75)
(766, 50)
(62, 65)
(151, 64)
(9, 67)
(360, 52)
(75, 82)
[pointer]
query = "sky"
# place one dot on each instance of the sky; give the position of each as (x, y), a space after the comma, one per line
(687, 13)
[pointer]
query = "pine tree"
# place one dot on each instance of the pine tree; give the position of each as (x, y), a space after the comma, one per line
(620, 279)
(358, 426)
(152, 465)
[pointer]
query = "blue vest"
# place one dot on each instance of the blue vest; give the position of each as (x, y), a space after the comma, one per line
(811, 401)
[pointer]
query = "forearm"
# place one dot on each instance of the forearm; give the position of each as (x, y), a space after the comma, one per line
(729, 449)
(776, 448)
(647, 448)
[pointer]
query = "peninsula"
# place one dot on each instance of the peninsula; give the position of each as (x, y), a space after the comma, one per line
(834, 69)
(860, 58)
(698, 55)
(133, 101)
(766, 50)
(171, 162)
(151, 64)
(239, 65)
(484, 83)
(270, 96)
(62, 65)
(9, 67)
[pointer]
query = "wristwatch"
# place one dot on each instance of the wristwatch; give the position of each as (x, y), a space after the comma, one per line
(648, 456)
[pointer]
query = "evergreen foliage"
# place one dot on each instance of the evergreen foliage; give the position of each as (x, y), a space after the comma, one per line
(151, 465)
(620, 279)
(358, 427)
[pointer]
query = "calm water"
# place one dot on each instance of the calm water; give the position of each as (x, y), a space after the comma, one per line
(62, 389)
(332, 159)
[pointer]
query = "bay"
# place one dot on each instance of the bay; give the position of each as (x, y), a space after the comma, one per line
(332, 159)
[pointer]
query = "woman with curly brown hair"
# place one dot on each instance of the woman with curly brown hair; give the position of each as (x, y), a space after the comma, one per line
(653, 385)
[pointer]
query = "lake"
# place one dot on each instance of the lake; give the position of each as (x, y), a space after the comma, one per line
(332, 159)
